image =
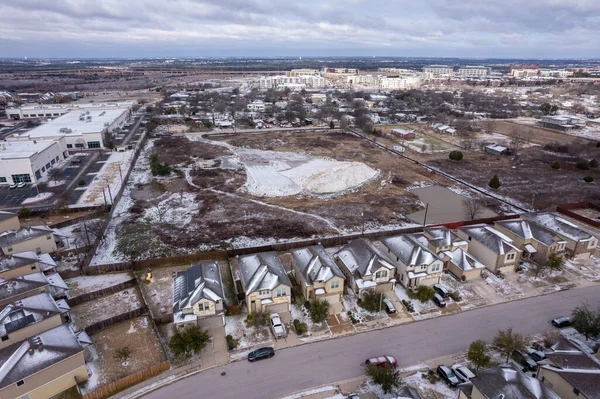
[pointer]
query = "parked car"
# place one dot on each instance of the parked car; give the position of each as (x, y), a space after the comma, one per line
(14, 185)
(261, 353)
(462, 372)
(437, 298)
(353, 396)
(560, 322)
(21, 185)
(382, 361)
(442, 290)
(536, 355)
(447, 375)
(277, 326)
(389, 306)
(525, 360)
(75, 161)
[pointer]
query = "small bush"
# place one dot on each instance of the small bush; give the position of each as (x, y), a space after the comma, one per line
(231, 343)
(300, 327)
(307, 305)
(353, 319)
(123, 353)
(456, 155)
(594, 163)
(583, 165)
(555, 165)
(431, 377)
(494, 182)
(319, 311)
(424, 293)
(588, 179)
(24, 212)
(372, 301)
(455, 296)
(258, 319)
(408, 305)
(550, 337)
(81, 183)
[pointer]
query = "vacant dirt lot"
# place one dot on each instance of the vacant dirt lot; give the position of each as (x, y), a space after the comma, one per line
(531, 176)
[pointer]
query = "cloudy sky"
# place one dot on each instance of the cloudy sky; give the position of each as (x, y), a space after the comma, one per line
(452, 28)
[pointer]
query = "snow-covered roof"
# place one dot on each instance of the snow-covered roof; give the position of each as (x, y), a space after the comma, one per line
(20, 259)
(410, 249)
(16, 286)
(26, 311)
(315, 264)
(262, 271)
(441, 236)
(508, 381)
(11, 237)
(464, 260)
(24, 149)
(200, 281)
(22, 359)
(561, 226)
(527, 230)
(362, 258)
(490, 237)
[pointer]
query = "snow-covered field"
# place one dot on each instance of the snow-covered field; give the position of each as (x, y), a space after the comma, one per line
(108, 178)
(84, 284)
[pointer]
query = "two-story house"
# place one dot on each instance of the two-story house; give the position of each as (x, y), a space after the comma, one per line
(580, 243)
(24, 263)
(571, 373)
(265, 282)
(537, 242)
(39, 239)
(504, 382)
(417, 264)
(318, 275)
(492, 248)
(440, 239)
(365, 267)
(43, 365)
(198, 295)
(9, 221)
(27, 317)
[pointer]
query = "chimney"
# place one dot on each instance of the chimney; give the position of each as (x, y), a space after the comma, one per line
(31, 351)
(40, 347)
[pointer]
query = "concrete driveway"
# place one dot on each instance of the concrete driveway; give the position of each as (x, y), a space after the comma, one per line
(307, 366)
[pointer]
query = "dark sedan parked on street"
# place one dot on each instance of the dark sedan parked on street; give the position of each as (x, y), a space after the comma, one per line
(261, 353)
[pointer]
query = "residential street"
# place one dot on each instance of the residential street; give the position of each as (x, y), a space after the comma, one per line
(334, 360)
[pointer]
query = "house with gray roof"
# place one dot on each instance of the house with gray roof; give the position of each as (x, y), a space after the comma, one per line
(265, 282)
(43, 365)
(416, 263)
(365, 266)
(40, 239)
(31, 284)
(570, 372)
(462, 264)
(505, 381)
(27, 317)
(536, 241)
(198, 295)
(440, 239)
(580, 243)
(318, 274)
(23, 263)
(9, 221)
(491, 247)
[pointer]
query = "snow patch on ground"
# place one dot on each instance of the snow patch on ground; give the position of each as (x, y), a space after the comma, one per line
(501, 286)
(56, 183)
(177, 209)
(421, 309)
(37, 198)
(314, 392)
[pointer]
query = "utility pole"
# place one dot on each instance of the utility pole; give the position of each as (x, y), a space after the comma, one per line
(380, 300)
(120, 173)
(104, 195)
(109, 193)
(425, 217)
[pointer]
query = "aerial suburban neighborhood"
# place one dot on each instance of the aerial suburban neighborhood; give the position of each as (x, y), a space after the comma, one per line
(291, 201)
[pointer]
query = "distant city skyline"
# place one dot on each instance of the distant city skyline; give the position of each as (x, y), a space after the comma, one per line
(268, 28)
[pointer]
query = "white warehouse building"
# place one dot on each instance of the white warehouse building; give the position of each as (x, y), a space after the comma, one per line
(29, 161)
(56, 110)
(81, 129)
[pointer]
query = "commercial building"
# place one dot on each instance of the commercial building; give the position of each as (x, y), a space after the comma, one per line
(343, 71)
(56, 110)
(303, 72)
(81, 129)
(403, 82)
(28, 161)
(435, 70)
(294, 82)
(475, 71)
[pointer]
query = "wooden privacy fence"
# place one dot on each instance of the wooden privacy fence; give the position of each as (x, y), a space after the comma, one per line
(101, 325)
(88, 296)
(128, 381)
(565, 209)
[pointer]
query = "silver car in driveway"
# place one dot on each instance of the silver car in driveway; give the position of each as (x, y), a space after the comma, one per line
(277, 326)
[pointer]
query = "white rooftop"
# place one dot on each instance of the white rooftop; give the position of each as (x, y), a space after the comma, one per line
(78, 106)
(23, 149)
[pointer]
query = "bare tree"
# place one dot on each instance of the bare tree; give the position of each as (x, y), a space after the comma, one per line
(472, 208)
(489, 125)
(89, 231)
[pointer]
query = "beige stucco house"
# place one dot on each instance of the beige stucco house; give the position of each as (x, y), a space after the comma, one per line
(24, 263)
(318, 274)
(43, 365)
(265, 282)
(505, 381)
(492, 248)
(580, 243)
(537, 242)
(571, 373)
(21, 287)
(39, 239)
(9, 221)
(198, 295)
(27, 317)
(365, 267)
(416, 263)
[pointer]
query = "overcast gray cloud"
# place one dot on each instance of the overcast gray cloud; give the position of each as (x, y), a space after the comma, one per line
(466, 28)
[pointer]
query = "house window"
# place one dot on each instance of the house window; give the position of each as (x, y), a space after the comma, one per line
(33, 267)
(48, 165)
(9, 248)
(381, 274)
(20, 383)
(4, 338)
(2, 179)
(38, 250)
(335, 284)
(281, 291)
(48, 236)
(435, 268)
(203, 306)
(93, 144)
(79, 145)
(263, 292)
(53, 161)
(69, 145)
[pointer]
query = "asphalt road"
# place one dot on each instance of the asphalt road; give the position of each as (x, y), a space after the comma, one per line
(307, 366)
